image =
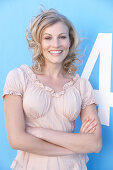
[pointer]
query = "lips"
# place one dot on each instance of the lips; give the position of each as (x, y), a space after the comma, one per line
(55, 52)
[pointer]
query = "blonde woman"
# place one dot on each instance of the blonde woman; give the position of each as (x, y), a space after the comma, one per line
(42, 102)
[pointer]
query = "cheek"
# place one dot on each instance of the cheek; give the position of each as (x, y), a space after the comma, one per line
(44, 45)
(67, 45)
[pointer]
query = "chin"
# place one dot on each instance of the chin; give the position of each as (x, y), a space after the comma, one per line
(57, 62)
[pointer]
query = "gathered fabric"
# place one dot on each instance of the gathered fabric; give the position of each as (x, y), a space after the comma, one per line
(46, 108)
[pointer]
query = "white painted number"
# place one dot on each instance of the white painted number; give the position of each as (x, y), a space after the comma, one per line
(102, 46)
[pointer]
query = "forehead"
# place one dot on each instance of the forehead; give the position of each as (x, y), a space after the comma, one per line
(56, 28)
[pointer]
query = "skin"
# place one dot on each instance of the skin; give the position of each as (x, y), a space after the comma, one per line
(88, 140)
(55, 40)
(50, 142)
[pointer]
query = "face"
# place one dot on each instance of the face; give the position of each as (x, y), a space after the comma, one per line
(55, 43)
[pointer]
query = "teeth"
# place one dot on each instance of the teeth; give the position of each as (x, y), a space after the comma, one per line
(55, 52)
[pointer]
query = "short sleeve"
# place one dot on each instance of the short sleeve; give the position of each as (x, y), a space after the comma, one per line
(87, 93)
(14, 84)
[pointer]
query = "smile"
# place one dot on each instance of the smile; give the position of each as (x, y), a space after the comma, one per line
(56, 52)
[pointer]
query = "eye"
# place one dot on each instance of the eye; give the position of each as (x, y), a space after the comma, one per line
(47, 38)
(63, 37)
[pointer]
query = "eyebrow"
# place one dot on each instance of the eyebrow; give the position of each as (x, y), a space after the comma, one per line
(59, 34)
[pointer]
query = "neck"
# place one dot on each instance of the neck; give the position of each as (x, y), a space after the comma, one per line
(53, 70)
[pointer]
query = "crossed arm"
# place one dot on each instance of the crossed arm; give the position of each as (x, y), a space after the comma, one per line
(50, 142)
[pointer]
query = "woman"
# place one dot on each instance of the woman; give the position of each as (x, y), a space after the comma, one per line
(42, 102)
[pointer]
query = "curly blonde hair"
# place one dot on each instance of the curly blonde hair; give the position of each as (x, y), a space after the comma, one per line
(33, 35)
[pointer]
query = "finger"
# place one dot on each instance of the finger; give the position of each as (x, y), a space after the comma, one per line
(87, 124)
(84, 121)
(91, 126)
(83, 125)
(92, 130)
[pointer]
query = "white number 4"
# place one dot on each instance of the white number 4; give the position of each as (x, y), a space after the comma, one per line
(102, 46)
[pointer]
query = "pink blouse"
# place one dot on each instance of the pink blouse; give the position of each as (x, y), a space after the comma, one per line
(43, 107)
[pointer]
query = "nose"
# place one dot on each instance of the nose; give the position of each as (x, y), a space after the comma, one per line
(56, 42)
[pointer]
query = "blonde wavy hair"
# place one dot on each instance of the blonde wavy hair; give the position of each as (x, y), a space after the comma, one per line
(33, 35)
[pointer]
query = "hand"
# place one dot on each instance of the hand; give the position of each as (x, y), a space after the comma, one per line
(88, 126)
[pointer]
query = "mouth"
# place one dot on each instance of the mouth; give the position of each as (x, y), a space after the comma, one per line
(55, 52)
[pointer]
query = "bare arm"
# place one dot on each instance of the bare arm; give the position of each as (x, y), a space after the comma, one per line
(19, 138)
(81, 142)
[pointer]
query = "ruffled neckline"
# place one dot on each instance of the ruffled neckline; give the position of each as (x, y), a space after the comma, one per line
(35, 79)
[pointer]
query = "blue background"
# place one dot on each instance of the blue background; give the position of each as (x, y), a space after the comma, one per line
(89, 17)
